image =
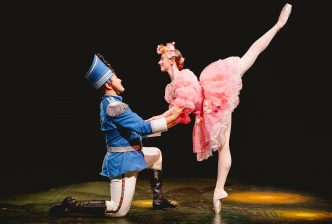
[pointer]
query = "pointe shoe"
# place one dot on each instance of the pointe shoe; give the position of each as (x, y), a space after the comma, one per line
(217, 197)
(284, 15)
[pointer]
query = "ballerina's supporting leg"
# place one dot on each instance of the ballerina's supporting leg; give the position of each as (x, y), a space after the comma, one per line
(247, 60)
(224, 165)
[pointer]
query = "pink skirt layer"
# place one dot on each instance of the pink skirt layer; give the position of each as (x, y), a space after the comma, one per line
(221, 83)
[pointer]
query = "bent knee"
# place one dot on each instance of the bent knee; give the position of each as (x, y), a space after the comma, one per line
(121, 213)
(151, 151)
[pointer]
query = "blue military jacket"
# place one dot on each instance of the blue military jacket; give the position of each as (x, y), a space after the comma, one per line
(122, 127)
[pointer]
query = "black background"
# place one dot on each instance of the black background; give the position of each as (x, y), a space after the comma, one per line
(281, 129)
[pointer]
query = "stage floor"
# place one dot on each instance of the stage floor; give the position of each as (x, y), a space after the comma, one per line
(245, 204)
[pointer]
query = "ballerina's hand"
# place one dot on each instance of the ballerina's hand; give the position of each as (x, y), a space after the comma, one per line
(284, 15)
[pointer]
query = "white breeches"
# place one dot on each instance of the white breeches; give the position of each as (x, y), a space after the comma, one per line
(153, 157)
(122, 196)
(122, 193)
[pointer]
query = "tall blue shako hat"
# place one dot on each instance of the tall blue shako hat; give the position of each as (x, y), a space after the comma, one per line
(99, 73)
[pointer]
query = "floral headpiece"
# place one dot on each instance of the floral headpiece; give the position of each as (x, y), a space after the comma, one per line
(169, 49)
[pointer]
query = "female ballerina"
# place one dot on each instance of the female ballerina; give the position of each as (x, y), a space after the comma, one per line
(212, 99)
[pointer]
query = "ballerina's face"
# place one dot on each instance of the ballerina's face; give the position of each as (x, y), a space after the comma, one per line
(165, 63)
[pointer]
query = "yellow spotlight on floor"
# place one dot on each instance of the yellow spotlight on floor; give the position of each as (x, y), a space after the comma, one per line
(310, 215)
(144, 203)
(267, 197)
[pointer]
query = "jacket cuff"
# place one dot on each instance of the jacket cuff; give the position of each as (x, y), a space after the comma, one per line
(159, 125)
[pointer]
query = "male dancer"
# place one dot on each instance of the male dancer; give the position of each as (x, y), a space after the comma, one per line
(125, 155)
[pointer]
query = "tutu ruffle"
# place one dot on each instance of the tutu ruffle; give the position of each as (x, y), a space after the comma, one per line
(184, 91)
(221, 83)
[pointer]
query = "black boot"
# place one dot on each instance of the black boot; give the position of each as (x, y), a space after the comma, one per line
(159, 199)
(69, 204)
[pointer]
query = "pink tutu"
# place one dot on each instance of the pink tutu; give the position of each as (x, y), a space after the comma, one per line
(221, 83)
(184, 91)
(212, 100)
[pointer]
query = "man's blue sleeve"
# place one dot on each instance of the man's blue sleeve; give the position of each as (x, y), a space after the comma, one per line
(130, 120)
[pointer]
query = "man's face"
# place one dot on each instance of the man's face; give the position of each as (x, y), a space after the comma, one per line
(116, 84)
